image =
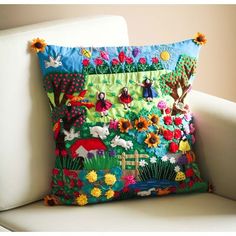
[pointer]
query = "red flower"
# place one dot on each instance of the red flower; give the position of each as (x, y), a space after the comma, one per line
(189, 172)
(86, 62)
(173, 147)
(182, 185)
(57, 152)
(177, 134)
(191, 183)
(115, 62)
(168, 135)
(77, 194)
(60, 183)
(178, 121)
(55, 171)
(142, 60)
(98, 61)
(72, 183)
(168, 120)
(167, 110)
(129, 60)
(70, 173)
(155, 60)
(117, 194)
(79, 183)
(64, 153)
(121, 57)
(125, 189)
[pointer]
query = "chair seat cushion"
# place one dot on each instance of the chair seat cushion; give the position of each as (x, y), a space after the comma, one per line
(192, 212)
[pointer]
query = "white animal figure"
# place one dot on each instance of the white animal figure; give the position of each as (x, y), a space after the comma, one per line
(98, 131)
(53, 62)
(69, 136)
(146, 193)
(117, 141)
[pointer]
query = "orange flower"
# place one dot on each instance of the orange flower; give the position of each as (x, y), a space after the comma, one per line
(141, 124)
(152, 140)
(154, 119)
(200, 39)
(38, 45)
(51, 200)
(124, 125)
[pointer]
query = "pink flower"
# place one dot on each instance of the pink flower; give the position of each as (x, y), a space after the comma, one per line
(129, 179)
(187, 116)
(192, 128)
(162, 105)
(155, 60)
(113, 124)
(98, 61)
(129, 60)
(115, 62)
(193, 139)
(86, 62)
(142, 60)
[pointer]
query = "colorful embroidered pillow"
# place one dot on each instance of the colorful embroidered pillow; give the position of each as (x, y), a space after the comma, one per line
(121, 127)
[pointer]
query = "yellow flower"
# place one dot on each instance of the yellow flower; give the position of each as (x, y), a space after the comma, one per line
(124, 125)
(180, 176)
(82, 200)
(200, 39)
(110, 179)
(154, 119)
(96, 192)
(92, 176)
(110, 193)
(152, 140)
(38, 45)
(141, 124)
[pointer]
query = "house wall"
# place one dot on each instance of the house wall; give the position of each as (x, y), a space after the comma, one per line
(151, 24)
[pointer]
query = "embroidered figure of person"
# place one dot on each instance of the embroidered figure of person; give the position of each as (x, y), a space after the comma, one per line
(148, 91)
(125, 98)
(102, 105)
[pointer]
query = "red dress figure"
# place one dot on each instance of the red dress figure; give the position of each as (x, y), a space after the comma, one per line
(102, 105)
(125, 98)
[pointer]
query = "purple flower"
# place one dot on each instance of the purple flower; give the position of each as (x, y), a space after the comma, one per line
(162, 105)
(182, 160)
(90, 155)
(112, 153)
(100, 152)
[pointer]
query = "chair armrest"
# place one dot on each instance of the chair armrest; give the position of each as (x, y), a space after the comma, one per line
(215, 120)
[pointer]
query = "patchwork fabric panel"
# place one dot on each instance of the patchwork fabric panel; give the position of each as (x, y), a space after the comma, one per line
(121, 125)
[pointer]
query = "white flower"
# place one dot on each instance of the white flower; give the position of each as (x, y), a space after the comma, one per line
(188, 116)
(186, 129)
(165, 158)
(142, 163)
(172, 160)
(153, 159)
(177, 169)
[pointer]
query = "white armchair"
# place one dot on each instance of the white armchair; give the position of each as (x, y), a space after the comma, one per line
(27, 147)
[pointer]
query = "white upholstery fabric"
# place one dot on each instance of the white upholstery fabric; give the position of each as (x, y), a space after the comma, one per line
(26, 139)
(194, 212)
(215, 120)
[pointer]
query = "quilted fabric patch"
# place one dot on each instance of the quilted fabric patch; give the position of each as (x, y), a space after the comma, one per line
(121, 125)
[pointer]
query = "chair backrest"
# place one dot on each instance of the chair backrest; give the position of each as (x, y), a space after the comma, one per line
(26, 153)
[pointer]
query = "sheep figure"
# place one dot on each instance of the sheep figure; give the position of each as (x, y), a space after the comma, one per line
(117, 141)
(98, 131)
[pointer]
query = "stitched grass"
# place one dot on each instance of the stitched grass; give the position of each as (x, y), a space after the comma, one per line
(158, 171)
(101, 163)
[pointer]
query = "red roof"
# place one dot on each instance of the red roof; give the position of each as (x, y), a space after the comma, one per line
(88, 144)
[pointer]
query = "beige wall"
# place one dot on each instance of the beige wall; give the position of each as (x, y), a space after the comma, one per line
(151, 24)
